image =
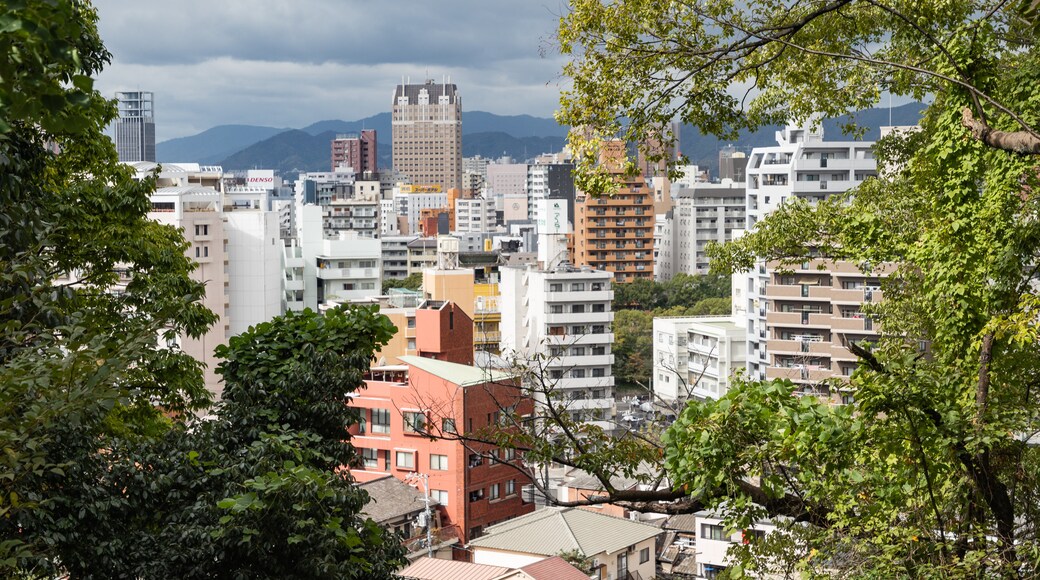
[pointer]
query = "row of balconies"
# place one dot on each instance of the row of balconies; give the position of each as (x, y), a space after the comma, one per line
(825, 293)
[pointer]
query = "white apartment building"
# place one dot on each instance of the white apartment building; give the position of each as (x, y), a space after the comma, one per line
(475, 215)
(801, 165)
(714, 540)
(359, 215)
(389, 225)
(236, 243)
(701, 213)
(564, 314)
(696, 356)
(333, 270)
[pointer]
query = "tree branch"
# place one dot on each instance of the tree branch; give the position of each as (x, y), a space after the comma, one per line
(1024, 142)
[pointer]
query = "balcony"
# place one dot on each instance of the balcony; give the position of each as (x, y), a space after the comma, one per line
(295, 285)
(797, 291)
(804, 318)
(799, 347)
(799, 375)
(347, 273)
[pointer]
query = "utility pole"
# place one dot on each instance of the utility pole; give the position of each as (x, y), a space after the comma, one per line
(425, 479)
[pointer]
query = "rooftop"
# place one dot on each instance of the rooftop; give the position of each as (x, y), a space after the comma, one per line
(391, 499)
(461, 375)
(550, 531)
(434, 569)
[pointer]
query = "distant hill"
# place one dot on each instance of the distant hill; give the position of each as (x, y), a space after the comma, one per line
(288, 153)
(213, 144)
(485, 134)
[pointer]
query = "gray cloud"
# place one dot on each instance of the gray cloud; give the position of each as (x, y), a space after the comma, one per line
(279, 63)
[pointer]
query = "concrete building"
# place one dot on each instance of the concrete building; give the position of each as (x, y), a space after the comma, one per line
(695, 357)
(357, 151)
(402, 405)
(422, 254)
(616, 232)
(333, 270)
(701, 214)
(427, 133)
(566, 314)
(802, 164)
(732, 164)
(620, 548)
(395, 256)
(135, 127)
(714, 539)
(813, 311)
(475, 215)
(549, 181)
(411, 200)
(506, 179)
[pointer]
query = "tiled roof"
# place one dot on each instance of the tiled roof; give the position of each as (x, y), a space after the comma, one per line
(433, 569)
(550, 531)
(555, 568)
(391, 499)
(461, 375)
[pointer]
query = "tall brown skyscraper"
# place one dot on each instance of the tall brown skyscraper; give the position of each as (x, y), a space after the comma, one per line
(427, 134)
(356, 151)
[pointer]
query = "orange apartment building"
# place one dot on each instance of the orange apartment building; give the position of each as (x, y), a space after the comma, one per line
(440, 392)
(615, 233)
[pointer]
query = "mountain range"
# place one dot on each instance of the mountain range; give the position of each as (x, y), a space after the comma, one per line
(290, 151)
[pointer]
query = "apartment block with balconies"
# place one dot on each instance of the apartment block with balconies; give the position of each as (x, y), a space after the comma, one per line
(564, 315)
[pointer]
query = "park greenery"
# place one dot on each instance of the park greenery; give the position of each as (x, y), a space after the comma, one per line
(104, 471)
(933, 470)
(411, 282)
(637, 303)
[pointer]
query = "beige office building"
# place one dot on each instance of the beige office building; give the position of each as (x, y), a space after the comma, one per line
(427, 134)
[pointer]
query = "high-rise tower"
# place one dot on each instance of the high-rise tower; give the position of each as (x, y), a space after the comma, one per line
(427, 134)
(135, 129)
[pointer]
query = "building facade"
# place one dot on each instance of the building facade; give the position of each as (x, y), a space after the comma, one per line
(564, 313)
(701, 214)
(357, 151)
(615, 233)
(135, 127)
(803, 165)
(427, 133)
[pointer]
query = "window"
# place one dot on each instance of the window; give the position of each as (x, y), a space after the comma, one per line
(439, 462)
(578, 373)
(555, 287)
(644, 555)
(448, 426)
(508, 454)
(370, 458)
(405, 459)
(598, 372)
(556, 308)
(622, 565)
(511, 487)
(201, 230)
(578, 329)
(599, 350)
(599, 307)
(411, 344)
(577, 351)
(577, 308)
(411, 322)
(577, 287)
(380, 421)
(713, 532)
(475, 459)
(440, 495)
(414, 422)
(753, 536)
(362, 423)
(493, 491)
(476, 495)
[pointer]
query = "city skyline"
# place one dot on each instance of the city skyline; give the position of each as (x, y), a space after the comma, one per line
(292, 64)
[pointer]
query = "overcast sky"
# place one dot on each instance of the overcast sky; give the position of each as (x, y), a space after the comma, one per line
(290, 63)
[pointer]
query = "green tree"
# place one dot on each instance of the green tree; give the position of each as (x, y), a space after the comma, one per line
(79, 364)
(928, 473)
(258, 489)
(633, 347)
(99, 474)
(412, 282)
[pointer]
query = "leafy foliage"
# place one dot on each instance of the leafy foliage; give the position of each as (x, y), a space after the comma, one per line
(928, 473)
(411, 282)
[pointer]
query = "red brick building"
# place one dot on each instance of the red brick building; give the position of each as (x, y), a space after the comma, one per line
(356, 151)
(403, 405)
